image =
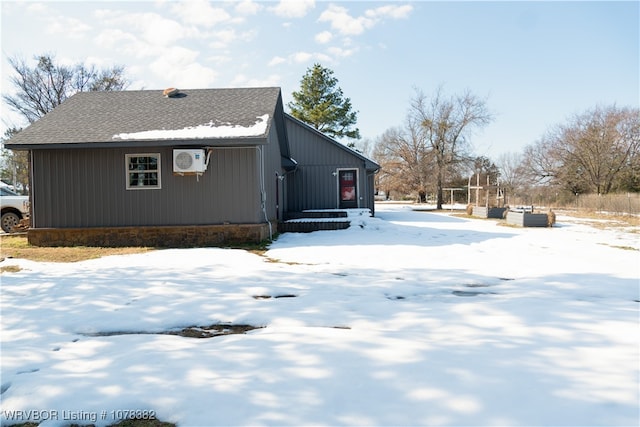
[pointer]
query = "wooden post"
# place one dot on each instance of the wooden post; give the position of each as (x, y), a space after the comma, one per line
(477, 188)
(486, 194)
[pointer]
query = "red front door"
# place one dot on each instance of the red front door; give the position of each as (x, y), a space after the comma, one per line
(348, 186)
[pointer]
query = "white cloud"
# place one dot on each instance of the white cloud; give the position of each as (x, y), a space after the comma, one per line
(301, 57)
(200, 12)
(37, 8)
(276, 60)
(125, 42)
(306, 57)
(160, 31)
(154, 29)
(219, 59)
(340, 19)
(150, 29)
(391, 11)
(248, 7)
(177, 56)
(324, 37)
(69, 27)
(106, 14)
(100, 61)
(177, 67)
(293, 8)
(222, 38)
(340, 52)
(243, 81)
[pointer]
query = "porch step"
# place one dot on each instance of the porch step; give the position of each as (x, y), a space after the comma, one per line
(316, 214)
(309, 226)
(308, 221)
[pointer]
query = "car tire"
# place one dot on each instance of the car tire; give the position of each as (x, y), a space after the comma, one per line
(9, 221)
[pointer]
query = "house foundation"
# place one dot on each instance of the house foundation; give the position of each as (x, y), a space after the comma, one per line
(151, 236)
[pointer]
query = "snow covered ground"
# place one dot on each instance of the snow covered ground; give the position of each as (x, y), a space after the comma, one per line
(409, 318)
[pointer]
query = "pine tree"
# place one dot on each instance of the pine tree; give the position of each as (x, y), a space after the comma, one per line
(321, 104)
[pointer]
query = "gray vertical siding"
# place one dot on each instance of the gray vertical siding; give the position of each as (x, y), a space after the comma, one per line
(87, 188)
(313, 185)
(273, 165)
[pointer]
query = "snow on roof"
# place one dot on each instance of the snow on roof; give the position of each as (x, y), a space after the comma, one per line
(205, 131)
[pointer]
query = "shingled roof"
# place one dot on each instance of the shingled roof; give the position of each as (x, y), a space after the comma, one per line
(127, 118)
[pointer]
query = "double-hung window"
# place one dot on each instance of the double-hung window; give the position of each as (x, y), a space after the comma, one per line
(143, 171)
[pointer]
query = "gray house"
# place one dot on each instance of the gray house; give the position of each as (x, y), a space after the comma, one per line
(329, 174)
(181, 168)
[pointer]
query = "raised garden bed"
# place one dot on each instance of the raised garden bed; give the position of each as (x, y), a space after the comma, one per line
(484, 212)
(524, 219)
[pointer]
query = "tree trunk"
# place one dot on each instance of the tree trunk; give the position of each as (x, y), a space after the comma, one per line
(439, 188)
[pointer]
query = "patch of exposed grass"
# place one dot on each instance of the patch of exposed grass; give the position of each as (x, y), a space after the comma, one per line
(19, 247)
(255, 248)
(279, 261)
(605, 220)
(10, 269)
(625, 248)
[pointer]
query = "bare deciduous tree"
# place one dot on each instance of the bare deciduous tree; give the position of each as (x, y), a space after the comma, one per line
(592, 152)
(46, 85)
(40, 89)
(512, 176)
(405, 159)
(447, 124)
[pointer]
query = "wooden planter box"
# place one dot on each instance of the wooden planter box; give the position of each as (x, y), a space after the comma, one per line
(524, 219)
(483, 212)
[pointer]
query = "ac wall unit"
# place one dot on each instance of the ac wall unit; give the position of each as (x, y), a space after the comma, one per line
(189, 160)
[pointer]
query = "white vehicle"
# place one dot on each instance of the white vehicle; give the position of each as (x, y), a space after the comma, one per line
(14, 208)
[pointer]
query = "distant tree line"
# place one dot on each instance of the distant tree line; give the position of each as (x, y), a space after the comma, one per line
(593, 152)
(596, 152)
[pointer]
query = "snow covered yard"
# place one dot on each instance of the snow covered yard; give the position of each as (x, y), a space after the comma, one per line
(410, 318)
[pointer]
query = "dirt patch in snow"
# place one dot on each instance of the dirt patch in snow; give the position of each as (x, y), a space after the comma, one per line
(210, 331)
(275, 296)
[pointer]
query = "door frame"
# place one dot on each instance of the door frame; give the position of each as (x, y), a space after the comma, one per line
(357, 178)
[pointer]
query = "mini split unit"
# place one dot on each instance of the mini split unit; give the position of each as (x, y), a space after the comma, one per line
(189, 161)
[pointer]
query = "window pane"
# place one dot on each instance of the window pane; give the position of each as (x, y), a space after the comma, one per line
(143, 171)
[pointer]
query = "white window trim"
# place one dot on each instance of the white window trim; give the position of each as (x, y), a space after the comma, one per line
(126, 170)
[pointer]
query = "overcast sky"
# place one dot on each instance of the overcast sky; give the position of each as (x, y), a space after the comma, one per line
(537, 63)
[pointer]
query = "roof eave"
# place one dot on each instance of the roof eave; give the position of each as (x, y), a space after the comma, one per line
(202, 142)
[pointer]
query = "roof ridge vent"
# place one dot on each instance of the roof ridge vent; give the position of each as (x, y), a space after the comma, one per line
(170, 92)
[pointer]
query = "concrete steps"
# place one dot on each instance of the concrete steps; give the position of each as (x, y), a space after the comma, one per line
(308, 221)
